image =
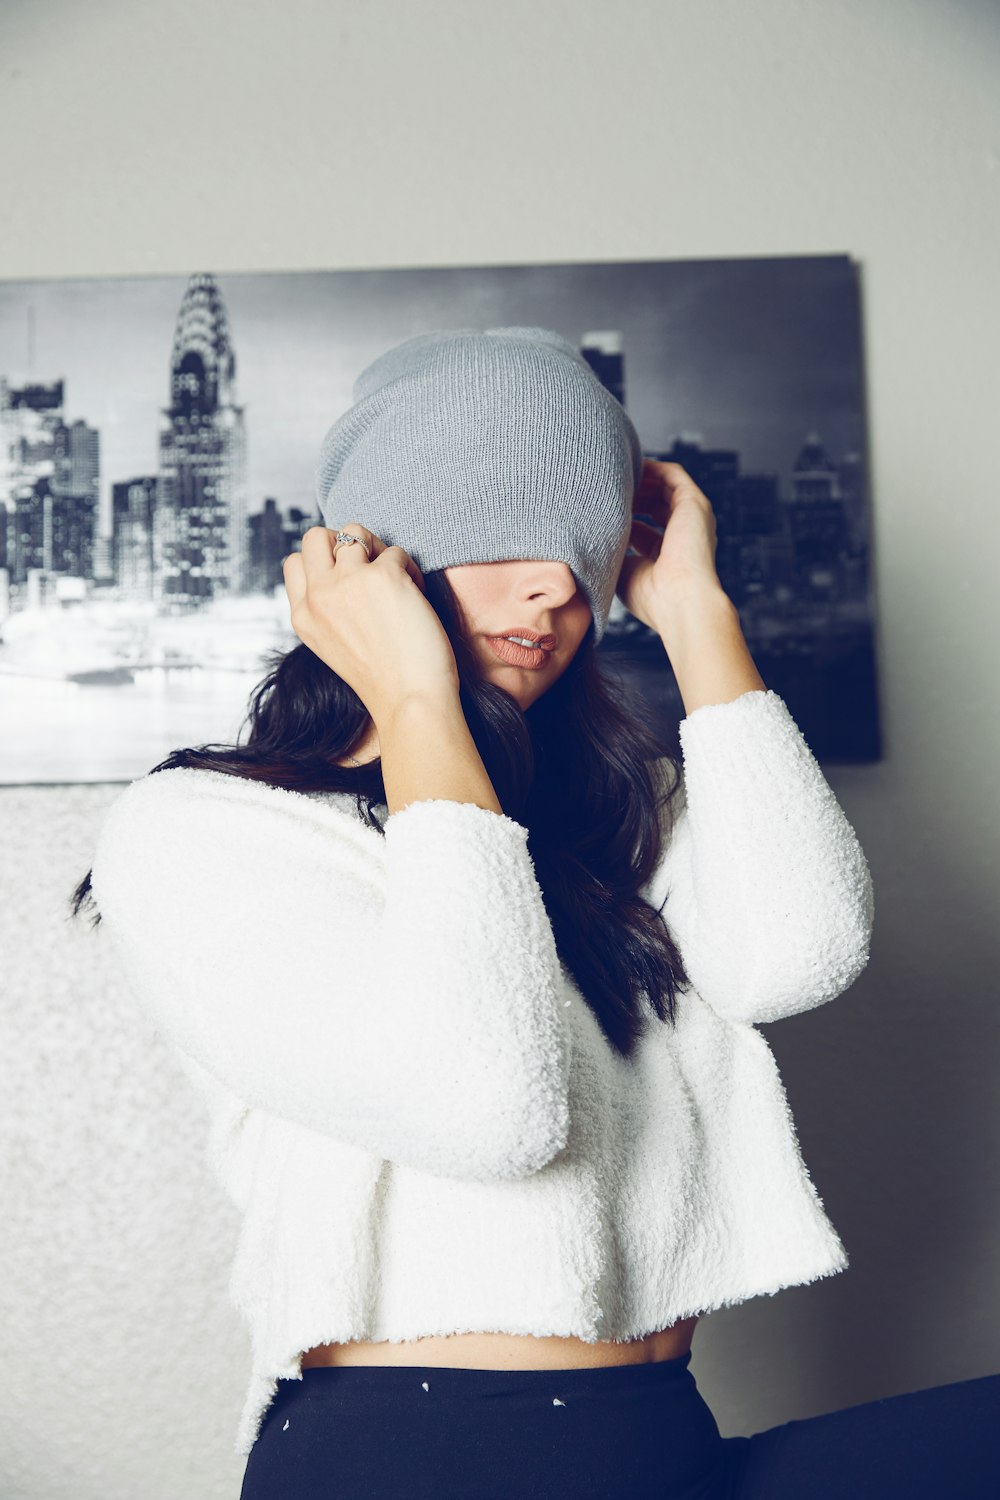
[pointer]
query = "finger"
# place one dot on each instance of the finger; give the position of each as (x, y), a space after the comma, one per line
(680, 485)
(321, 551)
(663, 478)
(402, 558)
(675, 472)
(646, 539)
(660, 500)
(652, 499)
(652, 503)
(353, 552)
(316, 550)
(652, 489)
(295, 578)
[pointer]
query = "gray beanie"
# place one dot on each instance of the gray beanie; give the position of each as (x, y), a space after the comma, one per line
(472, 445)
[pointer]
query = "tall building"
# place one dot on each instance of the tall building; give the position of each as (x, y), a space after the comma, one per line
(133, 505)
(77, 456)
(603, 353)
(271, 539)
(76, 482)
(49, 478)
(814, 477)
(200, 534)
(818, 521)
(267, 547)
(851, 478)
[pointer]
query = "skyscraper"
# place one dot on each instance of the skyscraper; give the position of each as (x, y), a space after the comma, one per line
(200, 535)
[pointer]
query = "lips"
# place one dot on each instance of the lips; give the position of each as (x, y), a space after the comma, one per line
(518, 656)
(545, 641)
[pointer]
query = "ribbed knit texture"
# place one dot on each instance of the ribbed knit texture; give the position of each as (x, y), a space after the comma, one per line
(468, 446)
(412, 1105)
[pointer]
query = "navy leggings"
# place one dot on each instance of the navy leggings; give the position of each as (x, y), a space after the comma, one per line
(615, 1432)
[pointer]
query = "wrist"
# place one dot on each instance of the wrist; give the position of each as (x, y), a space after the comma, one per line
(692, 601)
(704, 642)
(421, 707)
(429, 754)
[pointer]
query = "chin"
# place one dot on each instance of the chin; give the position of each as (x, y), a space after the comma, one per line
(523, 697)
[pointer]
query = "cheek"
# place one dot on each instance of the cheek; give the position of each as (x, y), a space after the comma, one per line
(473, 592)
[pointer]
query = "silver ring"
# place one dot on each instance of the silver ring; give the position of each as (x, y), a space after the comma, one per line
(348, 536)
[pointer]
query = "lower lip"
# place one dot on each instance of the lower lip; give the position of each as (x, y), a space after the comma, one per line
(517, 656)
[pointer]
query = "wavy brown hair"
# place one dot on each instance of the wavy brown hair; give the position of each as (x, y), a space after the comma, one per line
(576, 769)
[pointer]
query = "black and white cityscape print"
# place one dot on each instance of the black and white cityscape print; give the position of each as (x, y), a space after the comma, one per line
(158, 437)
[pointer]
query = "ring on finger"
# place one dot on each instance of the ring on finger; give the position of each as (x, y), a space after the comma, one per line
(348, 536)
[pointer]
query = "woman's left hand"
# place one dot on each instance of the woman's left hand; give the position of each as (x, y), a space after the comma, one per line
(673, 561)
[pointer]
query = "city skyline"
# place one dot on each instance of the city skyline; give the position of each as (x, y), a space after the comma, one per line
(146, 518)
(768, 351)
(186, 534)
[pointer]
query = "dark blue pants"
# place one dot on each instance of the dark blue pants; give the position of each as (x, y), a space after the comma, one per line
(617, 1432)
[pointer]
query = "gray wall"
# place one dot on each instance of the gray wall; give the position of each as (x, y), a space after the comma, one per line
(167, 138)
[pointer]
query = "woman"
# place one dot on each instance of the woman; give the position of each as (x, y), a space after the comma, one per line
(499, 1122)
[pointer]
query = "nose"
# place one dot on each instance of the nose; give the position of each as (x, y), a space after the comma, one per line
(548, 580)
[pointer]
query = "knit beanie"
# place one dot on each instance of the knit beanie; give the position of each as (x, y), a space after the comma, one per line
(471, 445)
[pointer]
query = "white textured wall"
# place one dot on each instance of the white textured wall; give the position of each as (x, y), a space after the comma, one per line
(166, 138)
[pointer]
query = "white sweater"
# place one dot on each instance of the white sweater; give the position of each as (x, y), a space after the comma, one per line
(414, 1108)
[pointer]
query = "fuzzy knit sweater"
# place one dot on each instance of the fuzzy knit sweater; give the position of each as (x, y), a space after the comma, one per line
(412, 1105)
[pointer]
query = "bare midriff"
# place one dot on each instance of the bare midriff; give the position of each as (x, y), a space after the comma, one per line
(507, 1351)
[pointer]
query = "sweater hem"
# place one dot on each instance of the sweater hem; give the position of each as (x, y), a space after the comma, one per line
(264, 1381)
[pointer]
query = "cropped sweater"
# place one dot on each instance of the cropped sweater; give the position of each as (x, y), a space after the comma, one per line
(412, 1105)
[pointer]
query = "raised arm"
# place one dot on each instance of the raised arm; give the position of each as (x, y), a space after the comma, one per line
(767, 890)
(403, 995)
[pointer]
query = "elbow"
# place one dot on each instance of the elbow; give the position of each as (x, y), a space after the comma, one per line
(534, 1145)
(808, 963)
(808, 976)
(843, 946)
(522, 1135)
(530, 1120)
(515, 1139)
(513, 1160)
(509, 1108)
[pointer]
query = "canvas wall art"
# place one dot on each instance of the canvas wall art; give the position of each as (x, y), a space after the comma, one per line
(158, 437)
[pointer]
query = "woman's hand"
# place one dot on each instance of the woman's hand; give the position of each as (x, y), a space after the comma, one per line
(673, 562)
(369, 620)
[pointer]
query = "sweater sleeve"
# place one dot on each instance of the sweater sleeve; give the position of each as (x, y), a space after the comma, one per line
(402, 994)
(767, 890)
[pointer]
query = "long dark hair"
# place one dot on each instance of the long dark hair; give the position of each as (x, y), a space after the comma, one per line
(575, 769)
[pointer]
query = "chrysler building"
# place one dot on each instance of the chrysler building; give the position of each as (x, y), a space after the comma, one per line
(200, 537)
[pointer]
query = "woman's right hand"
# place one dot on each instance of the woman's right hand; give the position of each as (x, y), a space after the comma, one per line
(369, 620)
